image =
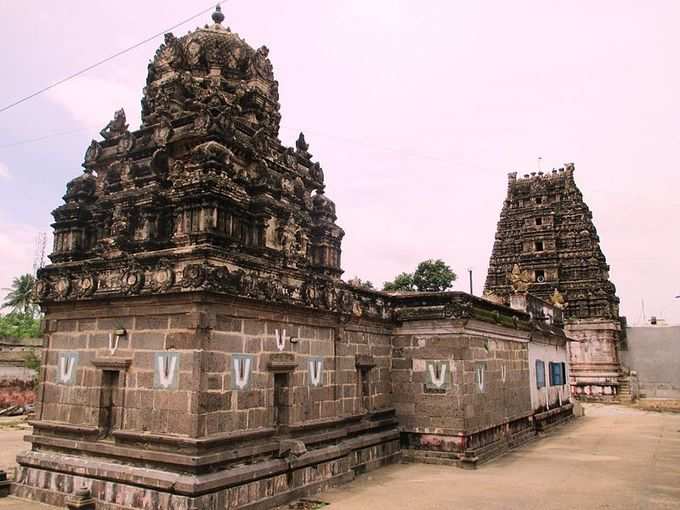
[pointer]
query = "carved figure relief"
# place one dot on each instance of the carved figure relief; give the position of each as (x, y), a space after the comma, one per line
(193, 275)
(557, 299)
(41, 289)
(262, 64)
(519, 279)
(301, 144)
(288, 237)
(125, 143)
(163, 276)
(62, 287)
(87, 285)
(116, 127)
(163, 132)
(93, 152)
(132, 281)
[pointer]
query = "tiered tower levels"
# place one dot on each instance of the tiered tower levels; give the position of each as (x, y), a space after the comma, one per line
(547, 230)
(204, 195)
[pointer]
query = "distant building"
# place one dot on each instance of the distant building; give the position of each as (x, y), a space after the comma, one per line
(546, 244)
(17, 381)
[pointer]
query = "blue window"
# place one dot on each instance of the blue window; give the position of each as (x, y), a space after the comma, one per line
(540, 374)
(557, 374)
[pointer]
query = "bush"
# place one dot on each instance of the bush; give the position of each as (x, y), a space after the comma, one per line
(19, 325)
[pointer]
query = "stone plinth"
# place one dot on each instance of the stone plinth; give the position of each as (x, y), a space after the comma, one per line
(81, 500)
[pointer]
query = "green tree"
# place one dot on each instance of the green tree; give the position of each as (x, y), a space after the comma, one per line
(32, 360)
(402, 283)
(20, 295)
(433, 276)
(19, 325)
(430, 276)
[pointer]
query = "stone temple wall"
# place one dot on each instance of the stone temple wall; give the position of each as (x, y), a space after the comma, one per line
(464, 420)
(196, 388)
(202, 351)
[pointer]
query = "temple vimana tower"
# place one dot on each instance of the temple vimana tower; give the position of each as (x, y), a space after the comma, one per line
(546, 244)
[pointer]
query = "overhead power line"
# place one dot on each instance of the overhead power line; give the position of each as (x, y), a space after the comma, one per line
(44, 137)
(107, 59)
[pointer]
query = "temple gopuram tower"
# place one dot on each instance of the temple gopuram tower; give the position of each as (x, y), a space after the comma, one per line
(546, 245)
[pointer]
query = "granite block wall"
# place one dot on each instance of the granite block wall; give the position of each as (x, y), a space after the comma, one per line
(457, 390)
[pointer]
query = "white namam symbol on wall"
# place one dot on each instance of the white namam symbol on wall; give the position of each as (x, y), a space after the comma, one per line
(166, 370)
(113, 343)
(280, 339)
(315, 371)
(242, 369)
(437, 373)
(67, 367)
(167, 366)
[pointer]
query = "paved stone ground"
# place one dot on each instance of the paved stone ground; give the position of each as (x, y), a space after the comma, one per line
(615, 458)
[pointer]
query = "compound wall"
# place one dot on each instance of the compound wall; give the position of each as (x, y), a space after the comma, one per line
(654, 353)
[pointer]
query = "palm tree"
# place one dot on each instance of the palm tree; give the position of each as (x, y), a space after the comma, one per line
(20, 295)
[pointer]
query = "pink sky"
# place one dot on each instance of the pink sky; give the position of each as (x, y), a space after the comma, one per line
(416, 111)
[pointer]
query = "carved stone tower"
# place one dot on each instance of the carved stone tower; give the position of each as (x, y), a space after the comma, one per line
(546, 244)
(194, 312)
(205, 179)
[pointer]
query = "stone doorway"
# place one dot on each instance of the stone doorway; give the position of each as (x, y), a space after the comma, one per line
(281, 400)
(110, 403)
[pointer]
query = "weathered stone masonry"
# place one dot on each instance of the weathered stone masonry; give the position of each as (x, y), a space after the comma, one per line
(203, 352)
(478, 352)
(204, 421)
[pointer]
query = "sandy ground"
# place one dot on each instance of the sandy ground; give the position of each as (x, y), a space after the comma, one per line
(12, 432)
(615, 458)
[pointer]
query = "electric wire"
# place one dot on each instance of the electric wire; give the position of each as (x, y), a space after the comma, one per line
(44, 137)
(103, 61)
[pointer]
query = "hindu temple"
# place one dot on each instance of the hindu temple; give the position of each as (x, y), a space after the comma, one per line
(201, 349)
